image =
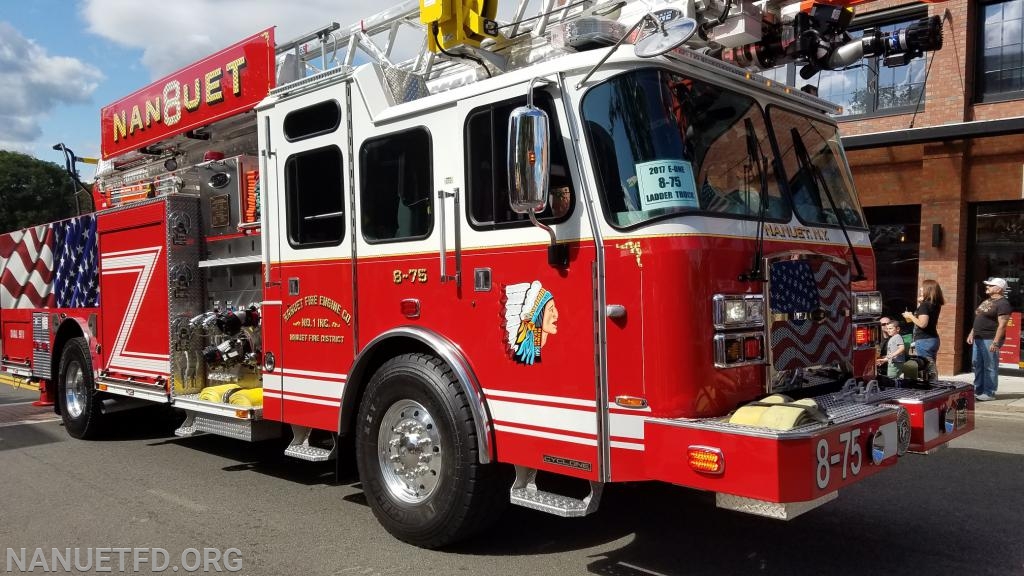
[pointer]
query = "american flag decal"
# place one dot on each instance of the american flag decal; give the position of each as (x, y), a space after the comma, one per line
(75, 278)
(53, 265)
(816, 290)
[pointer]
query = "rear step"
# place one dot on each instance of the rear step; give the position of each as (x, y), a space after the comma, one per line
(525, 493)
(241, 429)
(300, 448)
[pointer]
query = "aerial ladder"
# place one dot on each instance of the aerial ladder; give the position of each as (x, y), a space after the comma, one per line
(463, 42)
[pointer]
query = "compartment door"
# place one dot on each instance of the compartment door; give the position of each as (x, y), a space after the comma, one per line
(133, 284)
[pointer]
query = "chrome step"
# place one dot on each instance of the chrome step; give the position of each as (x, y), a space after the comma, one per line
(188, 428)
(300, 448)
(525, 493)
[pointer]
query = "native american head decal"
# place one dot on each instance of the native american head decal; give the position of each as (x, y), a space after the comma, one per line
(530, 317)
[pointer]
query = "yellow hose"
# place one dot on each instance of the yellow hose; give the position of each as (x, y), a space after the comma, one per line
(750, 415)
(250, 398)
(217, 393)
(788, 416)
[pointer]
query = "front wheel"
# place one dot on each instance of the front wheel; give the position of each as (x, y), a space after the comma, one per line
(416, 448)
(76, 391)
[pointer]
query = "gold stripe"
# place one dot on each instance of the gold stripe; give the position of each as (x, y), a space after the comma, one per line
(609, 240)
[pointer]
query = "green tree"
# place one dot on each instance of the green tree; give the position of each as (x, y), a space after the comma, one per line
(34, 192)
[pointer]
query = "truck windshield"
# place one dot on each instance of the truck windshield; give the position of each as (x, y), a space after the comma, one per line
(665, 144)
(816, 167)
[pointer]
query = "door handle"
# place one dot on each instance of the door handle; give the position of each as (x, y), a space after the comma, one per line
(457, 277)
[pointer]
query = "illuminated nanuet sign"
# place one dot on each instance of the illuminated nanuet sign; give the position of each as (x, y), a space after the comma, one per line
(220, 85)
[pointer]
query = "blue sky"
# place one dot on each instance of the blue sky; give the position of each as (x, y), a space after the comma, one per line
(71, 117)
(61, 61)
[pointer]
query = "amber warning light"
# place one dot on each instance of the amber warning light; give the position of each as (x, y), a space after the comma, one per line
(705, 459)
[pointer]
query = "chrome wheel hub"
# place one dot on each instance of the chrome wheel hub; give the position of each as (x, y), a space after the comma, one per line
(74, 390)
(409, 452)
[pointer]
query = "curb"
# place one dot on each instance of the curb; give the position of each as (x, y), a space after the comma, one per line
(991, 406)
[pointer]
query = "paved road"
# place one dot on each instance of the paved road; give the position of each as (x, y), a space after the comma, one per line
(956, 512)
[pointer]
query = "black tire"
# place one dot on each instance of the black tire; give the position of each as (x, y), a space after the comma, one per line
(424, 481)
(76, 391)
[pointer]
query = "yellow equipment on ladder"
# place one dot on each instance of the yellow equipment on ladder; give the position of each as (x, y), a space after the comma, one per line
(452, 23)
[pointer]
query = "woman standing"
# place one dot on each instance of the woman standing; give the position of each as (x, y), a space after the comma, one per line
(926, 320)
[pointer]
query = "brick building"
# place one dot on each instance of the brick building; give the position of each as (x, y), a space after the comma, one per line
(937, 152)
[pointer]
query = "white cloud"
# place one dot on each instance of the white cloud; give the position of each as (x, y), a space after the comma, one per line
(36, 83)
(175, 34)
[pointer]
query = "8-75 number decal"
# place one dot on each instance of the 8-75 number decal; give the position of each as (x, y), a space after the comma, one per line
(850, 456)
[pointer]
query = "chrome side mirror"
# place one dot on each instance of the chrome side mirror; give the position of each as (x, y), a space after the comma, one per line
(528, 159)
(529, 147)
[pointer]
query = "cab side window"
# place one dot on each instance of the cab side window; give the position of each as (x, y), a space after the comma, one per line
(315, 197)
(395, 187)
(487, 167)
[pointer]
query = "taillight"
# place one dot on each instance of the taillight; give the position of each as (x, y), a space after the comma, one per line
(733, 311)
(752, 347)
(739, 349)
(866, 336)
(863, 336)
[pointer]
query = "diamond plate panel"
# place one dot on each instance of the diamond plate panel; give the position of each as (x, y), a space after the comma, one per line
(248, 430)
(779, 511)
(185, 292)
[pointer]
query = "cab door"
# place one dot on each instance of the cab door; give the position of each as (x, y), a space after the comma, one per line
(528, 325)
(308, 328)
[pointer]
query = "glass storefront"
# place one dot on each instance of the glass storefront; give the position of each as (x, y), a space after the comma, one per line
(896, 238)
(996, 249)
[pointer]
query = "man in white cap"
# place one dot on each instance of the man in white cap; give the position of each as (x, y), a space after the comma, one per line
(987, 336)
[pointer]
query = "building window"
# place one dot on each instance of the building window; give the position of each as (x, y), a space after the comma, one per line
(1002, 52)
(868, 87)
(896, 239)
(396, 186)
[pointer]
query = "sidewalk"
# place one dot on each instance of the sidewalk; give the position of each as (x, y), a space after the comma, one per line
(1009, 396)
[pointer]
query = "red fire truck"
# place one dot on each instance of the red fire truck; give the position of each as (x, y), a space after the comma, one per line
(591, 243)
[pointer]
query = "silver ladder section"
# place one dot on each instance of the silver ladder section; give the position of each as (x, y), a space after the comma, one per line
(331, 50)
